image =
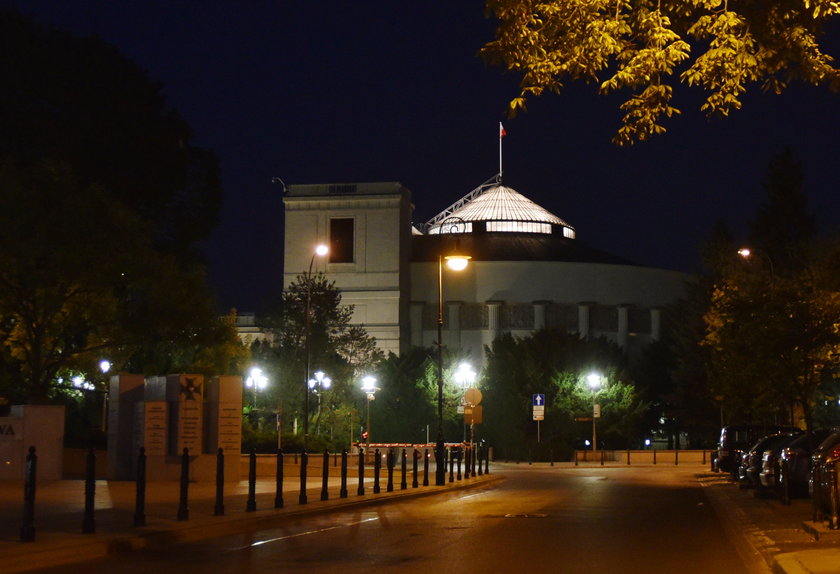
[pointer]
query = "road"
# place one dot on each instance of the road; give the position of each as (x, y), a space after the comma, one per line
(540, 519)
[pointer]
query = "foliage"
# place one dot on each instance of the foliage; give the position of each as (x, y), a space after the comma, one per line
(103, 197)
(556, 364)
(297, 349)
(644, 47)
(772, 321)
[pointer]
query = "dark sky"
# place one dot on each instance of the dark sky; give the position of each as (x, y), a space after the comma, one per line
(327, 91)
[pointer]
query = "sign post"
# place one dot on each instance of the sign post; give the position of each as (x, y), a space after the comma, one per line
(538, 402)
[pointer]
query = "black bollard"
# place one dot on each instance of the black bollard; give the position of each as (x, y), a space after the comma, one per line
(89, 522)
(219, 508)
(343, 492)
(183, 509)
(251, 503)
(278, 497)
(303, 460)
(785, 480)
(414, 482)
(451, 453)
(27, 530)
(377, 467)
(459, 455)
(361, 490)
(478, 457)
(487, 461)
(140, 487)
(325, 476)
(467, 453)
(390, 461)
(403, 470)
(426, 467)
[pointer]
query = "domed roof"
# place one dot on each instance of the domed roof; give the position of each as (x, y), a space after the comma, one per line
(499, 209)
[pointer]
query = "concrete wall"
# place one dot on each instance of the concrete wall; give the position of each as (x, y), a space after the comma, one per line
(41, 426)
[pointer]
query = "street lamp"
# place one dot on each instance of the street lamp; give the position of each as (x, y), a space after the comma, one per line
(455, 262)
(256, 380)
(317, 384)
(369, 387)
(747, 252)
(320, 251)
(594, 381)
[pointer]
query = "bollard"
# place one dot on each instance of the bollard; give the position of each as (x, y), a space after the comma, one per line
(467, 462)
(833, 498)
(816, 498)
(343, 492)
(451, 455)
(361, 489)
(487, 460)
(251, 503)
(403, 470)
(140, 486)
(426, 467)
(325, 476)
(390, 462)
(654, 456)
(602, 457)
(377, 467)
(27, 530)
(414, 481)
(785, 482)
(183, 509)
(676, 458)
(278, 497)
(303, 460)
(473, 459)
(628, 457)
(459, 455)
(480, 450)
(219, 508)
(89, 522)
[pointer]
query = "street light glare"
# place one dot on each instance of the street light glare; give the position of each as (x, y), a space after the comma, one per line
(593, 380)
(322, 250)
(368, 384)
(457, 262)
(744, 252)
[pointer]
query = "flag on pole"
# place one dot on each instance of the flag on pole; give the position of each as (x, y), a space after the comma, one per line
(502, 132)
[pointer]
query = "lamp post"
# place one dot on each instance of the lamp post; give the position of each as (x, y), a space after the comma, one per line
(746, 253)
(320, 251)
(594, 381)
(369, 387)
(257, 381)
(320, 382)
(104, 367)
(456, 263)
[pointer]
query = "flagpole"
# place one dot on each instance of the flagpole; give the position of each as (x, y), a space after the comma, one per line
(501, 135)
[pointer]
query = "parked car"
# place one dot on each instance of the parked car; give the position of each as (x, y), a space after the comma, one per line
(751, 460)
(797, 456)
(824, 457)
(735, 440)
(770, 472)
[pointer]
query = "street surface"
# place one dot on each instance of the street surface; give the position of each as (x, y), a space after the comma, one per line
(540, 519)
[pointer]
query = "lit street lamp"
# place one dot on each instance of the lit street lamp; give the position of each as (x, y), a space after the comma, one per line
(369, 387)
(320, 383)
(320, 251)
(257, 381)
(455, 262)
(594, 381)
(747, 252)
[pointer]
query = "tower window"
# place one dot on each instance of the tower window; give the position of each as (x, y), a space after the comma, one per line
(341, 240)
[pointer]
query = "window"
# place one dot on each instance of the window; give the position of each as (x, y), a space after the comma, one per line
(341, 240)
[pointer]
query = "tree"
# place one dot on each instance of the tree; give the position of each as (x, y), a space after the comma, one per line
(644, 47)
(80, 281)
(327, 342)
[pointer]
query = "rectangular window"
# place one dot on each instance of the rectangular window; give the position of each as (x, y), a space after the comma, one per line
(341, 240)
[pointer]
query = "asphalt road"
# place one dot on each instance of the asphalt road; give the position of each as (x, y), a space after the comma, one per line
(592, 520)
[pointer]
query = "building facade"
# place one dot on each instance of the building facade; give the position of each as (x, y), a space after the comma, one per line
(527, 269)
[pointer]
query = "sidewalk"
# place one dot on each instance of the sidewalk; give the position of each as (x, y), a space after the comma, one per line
(59, 512)
(781, 535)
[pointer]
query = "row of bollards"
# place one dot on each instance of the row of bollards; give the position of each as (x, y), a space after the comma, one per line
(456, 456)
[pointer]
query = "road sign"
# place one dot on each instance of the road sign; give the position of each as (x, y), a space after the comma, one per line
(539, 417)
(539, 400)
(472, 396)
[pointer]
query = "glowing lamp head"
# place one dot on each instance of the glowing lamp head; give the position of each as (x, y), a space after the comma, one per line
(322, 250)
(593, 380)
(457, 262)
(744, 252)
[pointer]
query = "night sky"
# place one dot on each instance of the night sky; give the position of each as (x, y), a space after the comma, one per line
(328, 91)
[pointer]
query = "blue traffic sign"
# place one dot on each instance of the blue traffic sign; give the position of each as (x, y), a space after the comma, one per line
(539, 400)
